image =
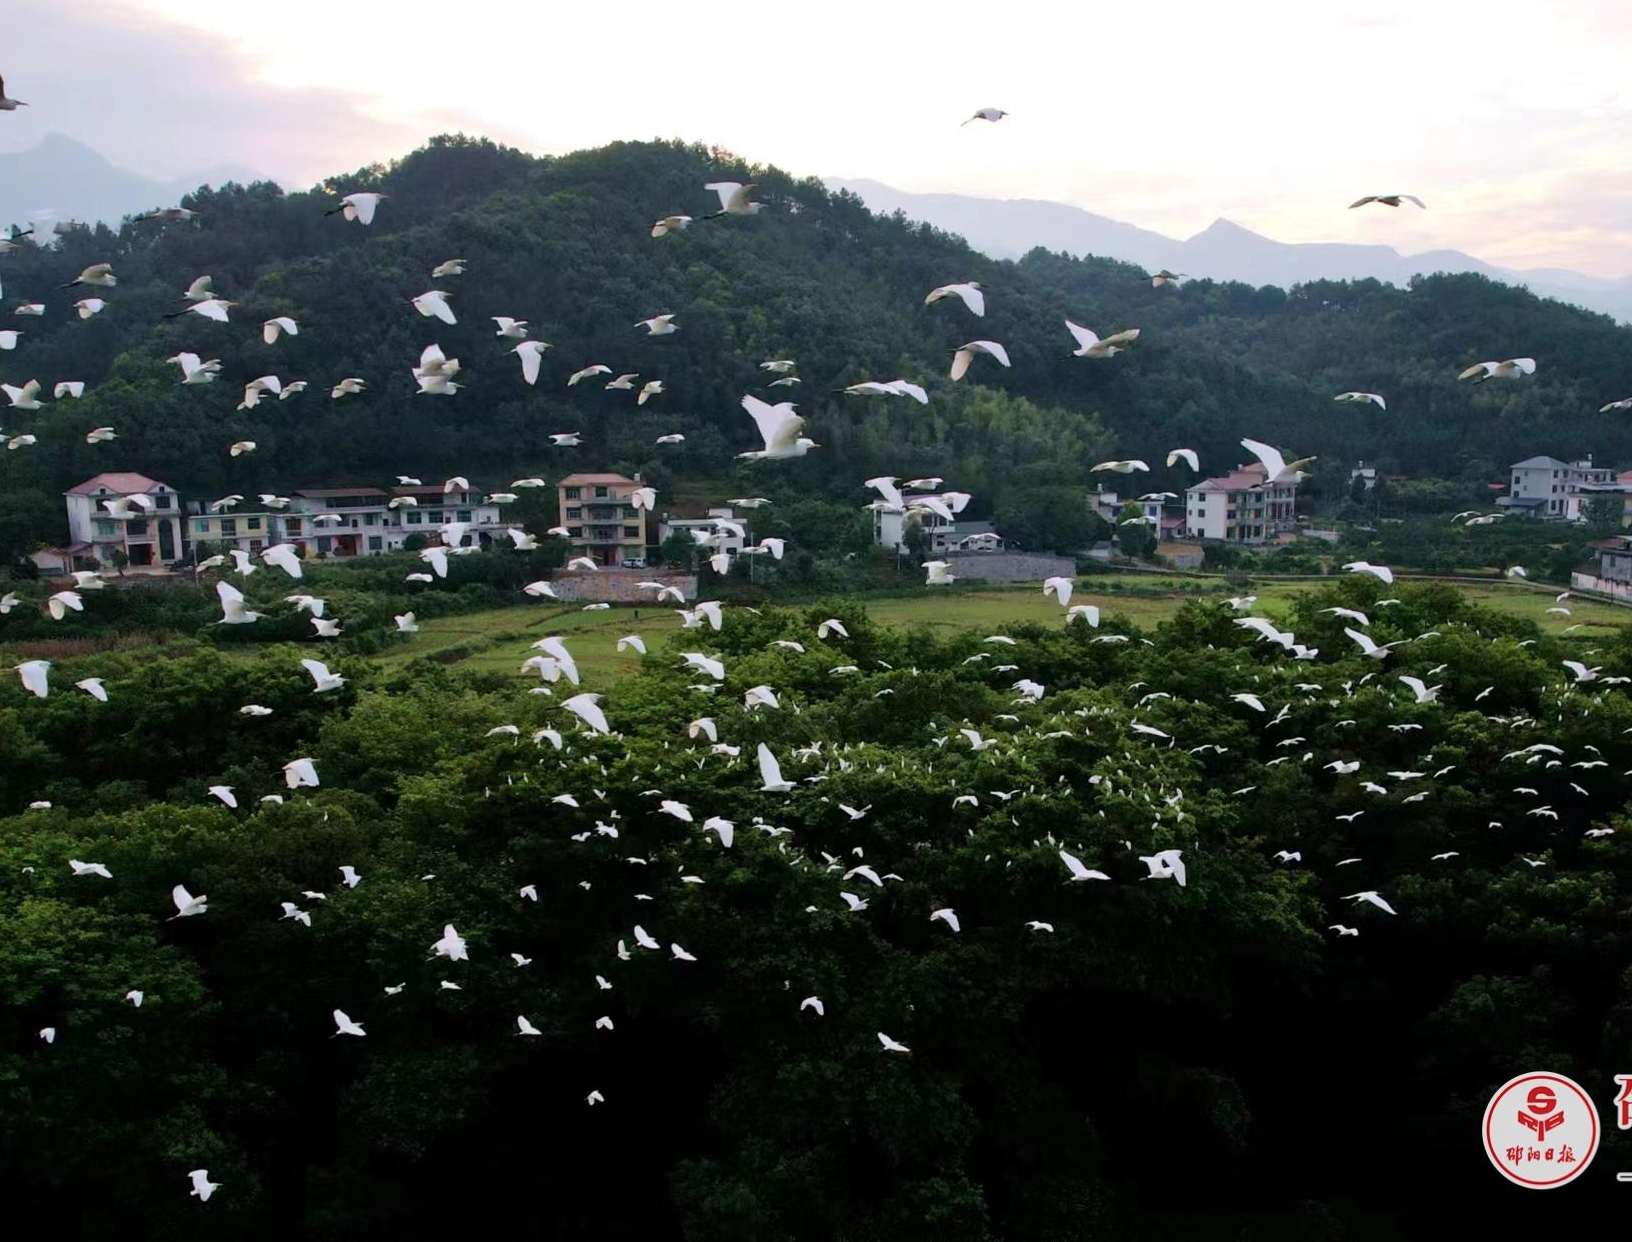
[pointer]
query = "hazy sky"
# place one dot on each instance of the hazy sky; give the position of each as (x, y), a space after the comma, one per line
(1511, 119)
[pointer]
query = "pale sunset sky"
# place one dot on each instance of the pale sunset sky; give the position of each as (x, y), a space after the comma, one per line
(1511, 119)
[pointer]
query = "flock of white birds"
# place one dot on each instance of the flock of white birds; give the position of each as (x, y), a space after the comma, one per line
(781, 429)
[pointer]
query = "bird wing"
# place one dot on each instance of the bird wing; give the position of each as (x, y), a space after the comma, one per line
(1269, 455)
(770, 771)
(972, 297)
(994, 349)
(727, 190)
(1361, 202)
(530, 360)
(1365, 641)
(778, 425)
(960, 362)
(318, 669)
(1086, 338)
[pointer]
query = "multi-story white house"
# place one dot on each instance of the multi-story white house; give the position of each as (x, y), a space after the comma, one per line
(600, 520)
(1547, 487)
(367, 523)
(1240, 507)
(890, 531)
(144, 538)
(729, 542)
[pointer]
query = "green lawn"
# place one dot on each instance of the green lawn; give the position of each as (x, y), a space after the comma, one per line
(500, 640)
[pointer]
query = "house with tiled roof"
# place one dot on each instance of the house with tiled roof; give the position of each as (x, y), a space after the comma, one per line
(143, 524)
(1240, 507)
(602, 523)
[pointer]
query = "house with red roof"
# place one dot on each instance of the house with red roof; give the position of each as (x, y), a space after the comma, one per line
(128, 513)
(1240, 507)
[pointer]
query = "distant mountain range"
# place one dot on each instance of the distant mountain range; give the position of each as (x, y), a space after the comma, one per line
(1008, 228)
(76, 182)
(73, 180)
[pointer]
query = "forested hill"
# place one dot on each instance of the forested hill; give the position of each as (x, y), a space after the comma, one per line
(565, 243)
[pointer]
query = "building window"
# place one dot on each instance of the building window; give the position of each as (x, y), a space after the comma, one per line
(201, 526)
(463, 515)
(575, 532)
(112, 528)
(574, 513)
(253, 523)
(631, 532)
(229, 528)
(574, 493)
(600, 493)
(415, 517)
(293, 525)
(161, 502)
(434, 517)
(369, 519)
(375, 543)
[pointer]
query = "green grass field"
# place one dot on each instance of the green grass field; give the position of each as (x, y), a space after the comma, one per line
(500, 640)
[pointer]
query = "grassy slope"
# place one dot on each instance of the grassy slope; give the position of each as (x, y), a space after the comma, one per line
(500, 640)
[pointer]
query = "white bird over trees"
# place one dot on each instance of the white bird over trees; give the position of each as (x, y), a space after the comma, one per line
(1090, 345)
(1362, 396)
(965, 354)
(1370, 895)
(891, 388)
(969, 291)
(779, 428)
(1388, 200)
(233, 609)
(25, 398)
(1060, 589)
(1424, 693)
(670, 224)
(345, 1026)
(195, 371)
(186, 904)
(1080, 873)
(1376, 651)
(434, 304)
(203, 1187)
(1165, 865)
(1124, 466)
(587, 708)
(212, 308)
(92, 868)
(770, 772)
(450, 946)
(891, 1045)
(359, 207)
(322, 679)
(272, 328)
(585, 373)
(1510, 368)
(659, 325)
(1381, 572)
(1185, 455)
(34, 674)
(531, 354)
(735, 199)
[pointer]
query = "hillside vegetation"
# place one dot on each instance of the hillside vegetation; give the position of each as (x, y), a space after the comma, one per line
(565, 244)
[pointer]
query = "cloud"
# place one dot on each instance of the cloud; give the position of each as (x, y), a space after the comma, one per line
(168, 100)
